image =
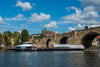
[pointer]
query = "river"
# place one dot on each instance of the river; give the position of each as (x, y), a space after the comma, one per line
(49, 59)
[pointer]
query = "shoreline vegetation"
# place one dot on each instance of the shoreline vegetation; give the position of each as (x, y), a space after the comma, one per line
(1, 47)
(10, 40)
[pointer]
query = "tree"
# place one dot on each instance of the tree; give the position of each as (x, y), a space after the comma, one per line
(17, 38)
(39, 37)
(42, 35)
(0, 38)
(7, 36)
(24, 35)
(17, 34)
(17, 41)
(8, 33)
(36, 37)
(7, 40)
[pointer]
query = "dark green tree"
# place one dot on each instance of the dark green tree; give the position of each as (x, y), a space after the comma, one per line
(36, 37)
(17, 34)
(17, 38)
(24, 35)
(42, 35)
(0, 38)
(8, 33)
(18, 41)
(7, 40)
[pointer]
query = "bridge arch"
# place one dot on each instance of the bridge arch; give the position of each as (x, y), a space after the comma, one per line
(47, 42)
(63, 40)
(87, 39)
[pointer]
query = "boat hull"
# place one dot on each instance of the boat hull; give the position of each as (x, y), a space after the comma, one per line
(22, 49)
(49, 49)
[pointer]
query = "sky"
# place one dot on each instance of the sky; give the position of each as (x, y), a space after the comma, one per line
(54, 15)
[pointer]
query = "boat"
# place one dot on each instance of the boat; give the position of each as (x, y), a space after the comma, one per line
(26, 46)
(67, 46)
(63, 47)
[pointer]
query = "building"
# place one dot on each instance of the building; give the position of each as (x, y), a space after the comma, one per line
(32, 35)
(49, 33)
(96, 41)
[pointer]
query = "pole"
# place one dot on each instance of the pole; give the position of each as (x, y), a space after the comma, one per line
(90, 27)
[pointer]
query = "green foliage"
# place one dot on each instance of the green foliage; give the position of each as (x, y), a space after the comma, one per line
(36, 37)
(0, 35)
(7, 40)
(0, 38)
(39, 37)
(17, 34)
(42, 35)
(18, 38)
(8, 33)
(0, 47)
(24, 35)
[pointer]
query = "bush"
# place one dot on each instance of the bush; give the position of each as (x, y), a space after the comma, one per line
(0, 47)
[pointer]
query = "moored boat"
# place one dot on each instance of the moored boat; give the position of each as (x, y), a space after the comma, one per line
(67, 46)
(26, 46)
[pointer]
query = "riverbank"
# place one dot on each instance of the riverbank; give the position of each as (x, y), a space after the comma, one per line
(3, 48)
(92, 48)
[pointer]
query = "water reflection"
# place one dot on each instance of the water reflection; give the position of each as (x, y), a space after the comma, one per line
(49, 59)
(92, 59)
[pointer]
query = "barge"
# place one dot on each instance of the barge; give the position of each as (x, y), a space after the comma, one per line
(62, 47)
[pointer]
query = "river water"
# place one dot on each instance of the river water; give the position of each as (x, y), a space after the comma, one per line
(49, 59)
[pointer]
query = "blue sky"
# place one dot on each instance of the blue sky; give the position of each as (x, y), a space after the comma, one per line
(57, 15)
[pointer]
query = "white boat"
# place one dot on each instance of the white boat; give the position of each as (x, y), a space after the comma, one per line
(67, 46)
(26, 46)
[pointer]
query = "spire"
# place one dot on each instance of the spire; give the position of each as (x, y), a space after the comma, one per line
(45, 28)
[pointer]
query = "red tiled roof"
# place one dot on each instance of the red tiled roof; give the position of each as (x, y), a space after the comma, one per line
(51, 33)
(98, 37)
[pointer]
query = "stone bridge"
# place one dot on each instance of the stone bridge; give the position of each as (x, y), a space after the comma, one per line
(83, 37)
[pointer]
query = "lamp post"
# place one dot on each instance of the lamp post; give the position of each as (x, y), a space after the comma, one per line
(90, 27)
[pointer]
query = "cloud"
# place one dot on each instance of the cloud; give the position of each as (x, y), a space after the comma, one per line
(39, 18)
(22, 25)
(92, 26)
(52, 24)
(24, 5)
(87, 16)
(94, 3)
(74, 8)
(18, 17)
(71, 28)
(2, 30)
(14, 27)
(1, 20)
(19, 31)
(79, 26)
(33, 4)
(66, 22)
